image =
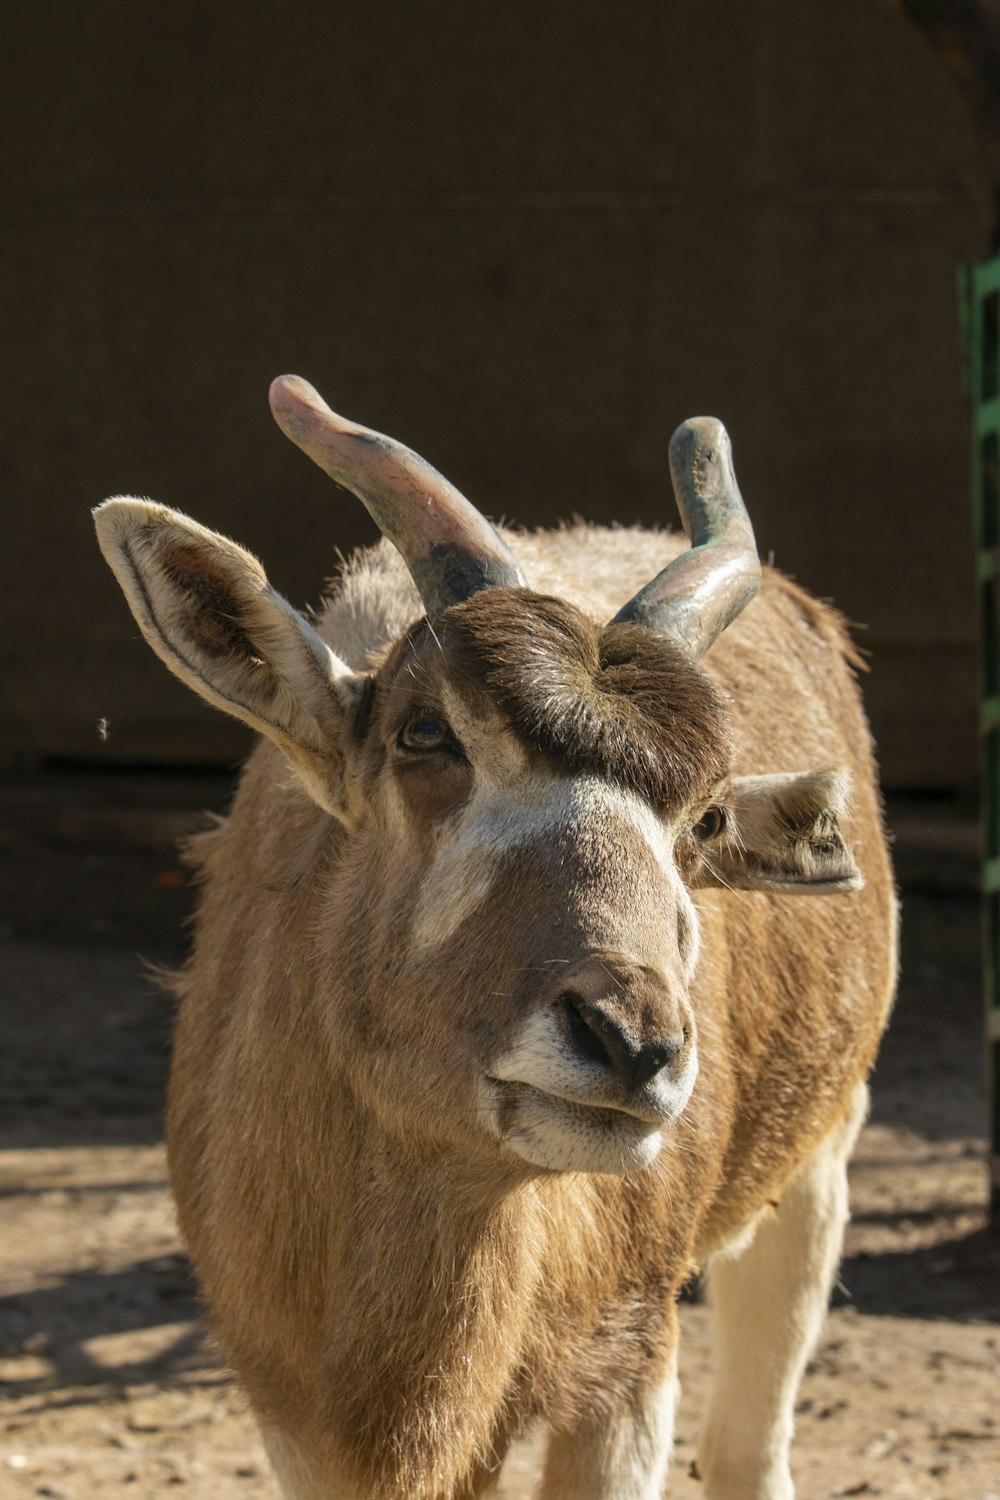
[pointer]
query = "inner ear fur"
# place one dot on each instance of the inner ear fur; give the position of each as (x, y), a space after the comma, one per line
(206, 607)
(784, 835)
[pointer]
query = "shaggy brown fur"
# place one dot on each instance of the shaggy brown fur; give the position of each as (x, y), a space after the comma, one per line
(619, 702)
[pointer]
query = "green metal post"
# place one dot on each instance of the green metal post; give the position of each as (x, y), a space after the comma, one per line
(981, 316)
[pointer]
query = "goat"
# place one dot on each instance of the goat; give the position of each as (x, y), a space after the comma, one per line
(502, 1017)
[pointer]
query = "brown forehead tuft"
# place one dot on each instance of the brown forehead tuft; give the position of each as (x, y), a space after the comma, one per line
(618, 700)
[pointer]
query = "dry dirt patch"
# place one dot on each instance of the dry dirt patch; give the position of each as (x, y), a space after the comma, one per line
(110, 1389)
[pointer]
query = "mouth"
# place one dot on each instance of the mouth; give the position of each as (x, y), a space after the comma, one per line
(642, 1111)
(567, 1135)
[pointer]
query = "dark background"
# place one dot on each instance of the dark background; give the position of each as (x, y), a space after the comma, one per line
(527, 239)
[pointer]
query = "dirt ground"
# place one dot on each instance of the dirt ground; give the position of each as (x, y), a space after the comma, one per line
(108, 1387)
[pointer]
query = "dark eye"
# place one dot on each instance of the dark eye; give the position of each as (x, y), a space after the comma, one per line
(710, 824)
(426, 730)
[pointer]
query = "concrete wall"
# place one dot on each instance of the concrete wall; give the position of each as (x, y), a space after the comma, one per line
(525, 238)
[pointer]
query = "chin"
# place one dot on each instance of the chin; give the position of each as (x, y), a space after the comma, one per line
(563, 1136)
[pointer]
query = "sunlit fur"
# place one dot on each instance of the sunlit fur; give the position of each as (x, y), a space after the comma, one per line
(420, 1219)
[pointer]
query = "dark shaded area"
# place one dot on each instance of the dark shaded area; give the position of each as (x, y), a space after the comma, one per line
(90, 856)
(958, 1279)
(966, 33)
(527, 247)
(931, 1079)
(930, 1072)
(58, 1321)
(94, 902)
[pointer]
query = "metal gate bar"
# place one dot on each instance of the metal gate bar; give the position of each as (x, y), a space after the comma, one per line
(981, 314)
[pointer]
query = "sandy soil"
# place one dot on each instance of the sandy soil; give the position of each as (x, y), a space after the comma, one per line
(108, 1387)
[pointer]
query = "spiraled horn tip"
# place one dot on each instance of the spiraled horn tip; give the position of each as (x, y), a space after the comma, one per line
(303, 415)
(288, 392)
(699, 432)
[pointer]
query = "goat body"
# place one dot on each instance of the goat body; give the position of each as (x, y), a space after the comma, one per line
(505, 1012)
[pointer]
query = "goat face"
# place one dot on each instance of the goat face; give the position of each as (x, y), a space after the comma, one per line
(529, 792)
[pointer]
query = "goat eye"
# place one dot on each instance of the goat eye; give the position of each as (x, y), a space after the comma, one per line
(710, 824)
(425, 730)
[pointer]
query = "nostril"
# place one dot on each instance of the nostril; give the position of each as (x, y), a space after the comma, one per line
(584, 1039)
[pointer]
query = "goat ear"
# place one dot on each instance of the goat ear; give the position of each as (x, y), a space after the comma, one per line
(206, 608)
(785, 836)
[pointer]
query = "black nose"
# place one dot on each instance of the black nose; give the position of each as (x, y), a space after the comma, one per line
(598, 1036)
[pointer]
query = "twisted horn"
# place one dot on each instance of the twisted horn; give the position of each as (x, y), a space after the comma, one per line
(701, 592)
(450, 549)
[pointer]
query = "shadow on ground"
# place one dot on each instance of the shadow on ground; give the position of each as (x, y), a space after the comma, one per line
(72, 1324)
(957, 1279)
